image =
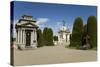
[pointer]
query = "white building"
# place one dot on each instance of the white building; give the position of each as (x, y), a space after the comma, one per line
(26, 35)
(64, 35)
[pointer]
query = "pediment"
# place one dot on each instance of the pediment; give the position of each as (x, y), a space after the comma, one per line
(28, 24)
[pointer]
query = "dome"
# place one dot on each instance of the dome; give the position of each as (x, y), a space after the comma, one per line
(63, 28)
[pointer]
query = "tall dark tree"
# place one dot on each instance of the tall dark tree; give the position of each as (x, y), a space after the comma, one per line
(39, 38)
(48, 36)
(77, 32)
(85, 30)
(92, 30)
(45, 33)
(84, 34)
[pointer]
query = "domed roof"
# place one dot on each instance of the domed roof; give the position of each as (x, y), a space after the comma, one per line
(63, 28)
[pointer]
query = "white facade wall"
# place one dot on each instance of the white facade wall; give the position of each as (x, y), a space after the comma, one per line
(65, 40)
(21, 38)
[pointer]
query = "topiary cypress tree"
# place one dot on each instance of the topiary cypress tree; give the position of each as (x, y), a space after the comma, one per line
(39, 38)
(85, 30)
(84, 34)
(77, 32)
(92, 30)
(45, 36)
(50, 37)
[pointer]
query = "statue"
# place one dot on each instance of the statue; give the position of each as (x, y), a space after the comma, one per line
(85, 43)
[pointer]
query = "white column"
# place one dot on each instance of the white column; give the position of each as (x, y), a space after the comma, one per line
(68, 37)
(35, 39)
(24, 37)
(21, 37)
(35, 36)
(31, 37)
(18, 37)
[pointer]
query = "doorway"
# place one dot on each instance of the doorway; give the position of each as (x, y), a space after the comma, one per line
(28, 37)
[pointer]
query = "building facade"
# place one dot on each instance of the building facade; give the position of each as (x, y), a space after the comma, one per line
(26, 34)
(64, 35)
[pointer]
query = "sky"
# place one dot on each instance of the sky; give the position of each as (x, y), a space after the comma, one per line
(53, 15)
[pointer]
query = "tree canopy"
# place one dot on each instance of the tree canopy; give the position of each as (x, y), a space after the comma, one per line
(92, 30)
(77, 32)
(39, 38)
(48, 36)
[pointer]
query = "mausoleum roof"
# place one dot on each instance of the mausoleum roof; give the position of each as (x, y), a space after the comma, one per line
(26, 21)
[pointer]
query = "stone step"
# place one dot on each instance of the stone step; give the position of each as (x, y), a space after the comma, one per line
(28, 48)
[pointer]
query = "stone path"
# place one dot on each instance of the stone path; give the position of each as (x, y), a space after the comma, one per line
(52, 54)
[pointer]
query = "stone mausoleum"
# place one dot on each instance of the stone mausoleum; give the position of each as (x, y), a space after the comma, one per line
(26, 34)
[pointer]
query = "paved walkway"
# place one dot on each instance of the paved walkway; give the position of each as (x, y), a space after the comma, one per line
(53, 54)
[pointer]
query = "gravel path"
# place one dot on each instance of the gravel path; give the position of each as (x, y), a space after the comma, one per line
(51, 55)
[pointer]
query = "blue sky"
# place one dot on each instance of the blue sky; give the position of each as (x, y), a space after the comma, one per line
(52, 15)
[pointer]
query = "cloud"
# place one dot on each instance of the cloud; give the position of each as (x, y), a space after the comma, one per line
(41, 21)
